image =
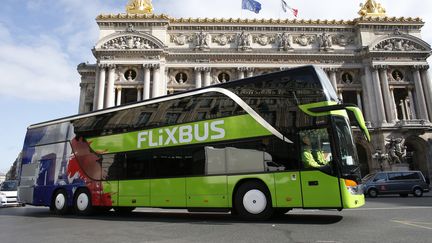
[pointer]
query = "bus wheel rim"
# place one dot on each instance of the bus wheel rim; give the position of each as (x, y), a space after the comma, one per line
(254, 201)
(60, 201)
(82, 201)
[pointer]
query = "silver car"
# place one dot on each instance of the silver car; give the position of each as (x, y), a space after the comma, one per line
(395, 182)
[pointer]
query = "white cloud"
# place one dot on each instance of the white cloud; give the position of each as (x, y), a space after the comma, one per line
(39, 71)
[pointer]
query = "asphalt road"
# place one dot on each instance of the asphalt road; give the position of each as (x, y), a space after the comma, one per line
(382, 219)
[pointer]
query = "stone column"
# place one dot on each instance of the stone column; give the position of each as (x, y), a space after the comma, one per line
(427, 86)
(250, 72)
(139, 93)
(100, 86)
(198, 82)
(240, 71)
(110, 90)
(156, 74)
(422, 112)
(378, 97)
(146, 88)
(394, 104)
(333, 79)
(83, 92)
(368, 97)
(119, 96)
(386, 93)
(402, 106)
(207, 77)
(411, 100)
(359, 100)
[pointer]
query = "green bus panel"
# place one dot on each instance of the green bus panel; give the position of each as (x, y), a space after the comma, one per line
(134, 193)
(208, 191)
(349, 200)
(268, 179)
(320, 190)
(288, 189)
(111, 187)
(168, 192)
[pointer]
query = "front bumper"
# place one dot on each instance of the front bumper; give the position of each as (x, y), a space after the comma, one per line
(9, 202)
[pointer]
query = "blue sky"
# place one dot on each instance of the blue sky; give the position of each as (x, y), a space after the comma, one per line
(43, 41)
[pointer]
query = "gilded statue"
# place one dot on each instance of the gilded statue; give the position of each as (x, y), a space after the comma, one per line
(372, 8)
(139, 7)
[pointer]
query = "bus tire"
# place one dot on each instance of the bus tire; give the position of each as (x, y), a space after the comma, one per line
(253, 201)
(59, 203)
(82, 202)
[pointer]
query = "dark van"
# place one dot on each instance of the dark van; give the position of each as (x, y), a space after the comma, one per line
(395, 182)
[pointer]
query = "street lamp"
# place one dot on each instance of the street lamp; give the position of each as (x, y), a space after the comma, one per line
(380, 157)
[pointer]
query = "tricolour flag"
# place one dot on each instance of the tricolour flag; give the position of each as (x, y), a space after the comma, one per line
(251, 5)
(285, 7)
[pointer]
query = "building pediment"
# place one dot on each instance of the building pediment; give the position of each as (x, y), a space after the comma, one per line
(129, 40)
(399, 43)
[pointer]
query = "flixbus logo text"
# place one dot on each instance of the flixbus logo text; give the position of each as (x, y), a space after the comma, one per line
(177, 135)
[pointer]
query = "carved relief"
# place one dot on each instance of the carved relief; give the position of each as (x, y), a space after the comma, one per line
(397, 44)
(223, 39)
(263, 39)
(129, 42)
(181, 39)
(304, 40)
(343, 40)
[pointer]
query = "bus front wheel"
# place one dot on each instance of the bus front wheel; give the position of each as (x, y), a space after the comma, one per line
(253, 201)
(59, 203)
(82, 202)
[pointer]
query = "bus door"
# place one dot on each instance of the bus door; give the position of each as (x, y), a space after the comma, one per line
(319, 180)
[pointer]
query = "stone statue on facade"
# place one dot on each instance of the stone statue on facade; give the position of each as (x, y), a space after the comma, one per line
(244, 41)
(285, 41)
(202, 40)
(396, 150)
(372, 8)
(325, 42)
(139, 7)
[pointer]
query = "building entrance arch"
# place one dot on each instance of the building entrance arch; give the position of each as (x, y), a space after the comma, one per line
(417, 151)
(364, 156)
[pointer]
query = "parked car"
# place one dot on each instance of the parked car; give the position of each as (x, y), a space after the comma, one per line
(8, 194)
(395, 182)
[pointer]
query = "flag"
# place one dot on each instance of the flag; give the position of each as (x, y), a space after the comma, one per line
(251, 5)
(285, 7)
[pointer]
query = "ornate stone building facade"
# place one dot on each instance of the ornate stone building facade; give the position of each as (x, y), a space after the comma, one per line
(374, 61)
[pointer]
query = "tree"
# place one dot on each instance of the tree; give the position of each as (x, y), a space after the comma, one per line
(12, 173)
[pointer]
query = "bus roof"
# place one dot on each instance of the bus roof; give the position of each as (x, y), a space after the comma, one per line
(166, 97)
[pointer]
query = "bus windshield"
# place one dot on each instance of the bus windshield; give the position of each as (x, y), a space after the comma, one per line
(348, 153)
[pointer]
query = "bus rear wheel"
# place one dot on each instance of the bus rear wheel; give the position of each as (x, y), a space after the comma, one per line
(253, 201)
(82, 202)
(59, 203)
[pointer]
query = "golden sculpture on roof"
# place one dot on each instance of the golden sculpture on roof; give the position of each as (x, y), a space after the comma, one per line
(139, 7)
(372, 8)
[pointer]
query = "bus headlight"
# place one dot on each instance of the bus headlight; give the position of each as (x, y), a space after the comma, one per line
(353, 187)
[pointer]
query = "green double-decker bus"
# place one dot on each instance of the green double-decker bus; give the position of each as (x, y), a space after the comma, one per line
(255, 147)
